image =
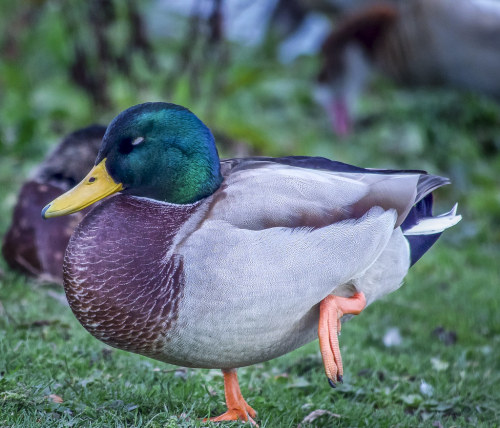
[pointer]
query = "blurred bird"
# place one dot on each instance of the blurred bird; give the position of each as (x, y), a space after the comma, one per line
(454, 43)
(223, 264)
(31, 245)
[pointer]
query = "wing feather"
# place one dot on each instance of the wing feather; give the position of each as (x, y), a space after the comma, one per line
(259, 193)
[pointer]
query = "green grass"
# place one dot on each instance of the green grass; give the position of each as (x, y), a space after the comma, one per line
(44, 351)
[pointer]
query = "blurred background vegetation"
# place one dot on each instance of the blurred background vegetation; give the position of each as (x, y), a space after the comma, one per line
(67, 64)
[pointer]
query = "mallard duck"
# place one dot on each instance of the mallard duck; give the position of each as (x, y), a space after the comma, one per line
(31, 245)
(414, 43)
(222, 264)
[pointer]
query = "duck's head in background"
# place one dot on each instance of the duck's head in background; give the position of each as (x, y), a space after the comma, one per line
(156, 150)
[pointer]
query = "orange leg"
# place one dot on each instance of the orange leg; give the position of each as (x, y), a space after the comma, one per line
(331, 309)
(237, 407)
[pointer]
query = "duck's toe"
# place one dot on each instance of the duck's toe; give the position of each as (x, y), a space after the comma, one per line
(331, 309)
(236, 415)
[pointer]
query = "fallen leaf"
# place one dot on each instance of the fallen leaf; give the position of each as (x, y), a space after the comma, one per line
(311, 417)
(426, 389)
(55, 398)
(392, 338)
(412, 400)
(439, 365)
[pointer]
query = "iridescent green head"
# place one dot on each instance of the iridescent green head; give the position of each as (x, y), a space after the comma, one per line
(156, 150)
(162, 151)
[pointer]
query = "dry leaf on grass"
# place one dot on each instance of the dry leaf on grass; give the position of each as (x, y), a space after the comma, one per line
(311, 417)
(55, 398)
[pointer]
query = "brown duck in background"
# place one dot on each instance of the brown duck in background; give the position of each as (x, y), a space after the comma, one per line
(454, 43)
(31, 245)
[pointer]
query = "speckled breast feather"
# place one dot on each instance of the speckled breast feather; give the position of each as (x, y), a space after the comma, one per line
(118, 282)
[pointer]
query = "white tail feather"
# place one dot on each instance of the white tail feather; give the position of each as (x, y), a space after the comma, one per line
(430, 225)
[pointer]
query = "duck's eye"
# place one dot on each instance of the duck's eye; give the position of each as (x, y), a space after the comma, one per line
(127, 145)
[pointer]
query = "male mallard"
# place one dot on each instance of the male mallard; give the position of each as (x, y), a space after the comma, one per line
(31, 245)
(212, 264)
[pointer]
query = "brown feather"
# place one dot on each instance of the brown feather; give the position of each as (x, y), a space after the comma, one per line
(35, 246)
(366, 27)
(120, 282)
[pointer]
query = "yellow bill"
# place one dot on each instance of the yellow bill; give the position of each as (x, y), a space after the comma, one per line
(95, 186)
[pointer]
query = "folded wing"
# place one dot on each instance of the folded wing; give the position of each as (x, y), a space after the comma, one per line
(260, 193)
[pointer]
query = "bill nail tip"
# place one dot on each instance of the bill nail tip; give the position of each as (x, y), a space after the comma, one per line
(44, 210)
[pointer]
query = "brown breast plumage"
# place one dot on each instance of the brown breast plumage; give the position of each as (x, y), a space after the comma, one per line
(119, 279)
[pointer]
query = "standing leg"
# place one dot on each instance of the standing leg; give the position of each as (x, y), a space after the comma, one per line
(237, 407)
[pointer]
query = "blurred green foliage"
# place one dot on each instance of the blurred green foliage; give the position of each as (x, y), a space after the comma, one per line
(68, 64)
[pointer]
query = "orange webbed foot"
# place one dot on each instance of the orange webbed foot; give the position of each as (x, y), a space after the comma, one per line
(331, 309)
(237, 407)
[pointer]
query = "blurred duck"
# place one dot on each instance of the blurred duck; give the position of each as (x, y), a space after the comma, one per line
(31, 245)
(222, 264)
(455, 43)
